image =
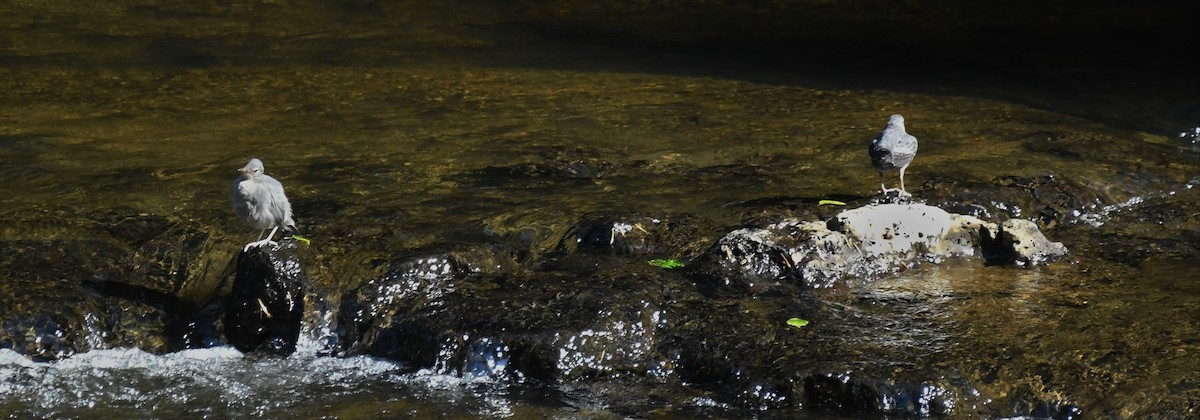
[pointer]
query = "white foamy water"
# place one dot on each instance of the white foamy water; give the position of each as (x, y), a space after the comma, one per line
(221, 382)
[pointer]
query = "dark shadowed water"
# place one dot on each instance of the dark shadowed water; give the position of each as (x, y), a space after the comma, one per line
(396, 125)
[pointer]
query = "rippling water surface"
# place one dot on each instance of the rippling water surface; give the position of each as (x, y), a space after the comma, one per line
(398, 125)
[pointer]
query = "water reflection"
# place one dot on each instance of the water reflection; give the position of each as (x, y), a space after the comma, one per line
(396, 126)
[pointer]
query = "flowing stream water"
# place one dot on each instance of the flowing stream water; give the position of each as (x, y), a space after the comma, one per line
(398, 125)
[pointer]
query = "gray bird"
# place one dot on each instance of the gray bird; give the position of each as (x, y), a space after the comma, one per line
(259, 201)
(892, 150)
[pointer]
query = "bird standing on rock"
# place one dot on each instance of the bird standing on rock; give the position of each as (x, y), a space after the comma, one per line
(893, 149)
(259, 201)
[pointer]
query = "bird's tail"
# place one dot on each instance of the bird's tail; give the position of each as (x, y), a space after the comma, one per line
(295, 234)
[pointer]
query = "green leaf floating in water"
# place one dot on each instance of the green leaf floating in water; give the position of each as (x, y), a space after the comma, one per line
(797, 322)
(830, 203)
(301, 239)
(668, 264)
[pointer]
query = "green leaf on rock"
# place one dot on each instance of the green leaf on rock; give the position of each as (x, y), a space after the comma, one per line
(301, 239)
(668, 263)
(797, 322)
(830, 203)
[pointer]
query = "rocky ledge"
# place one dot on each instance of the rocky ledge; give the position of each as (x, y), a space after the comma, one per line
(595, 311)
(591, 312)
(870, 241)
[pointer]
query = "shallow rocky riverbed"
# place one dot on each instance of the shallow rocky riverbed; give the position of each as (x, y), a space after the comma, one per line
(484, 189)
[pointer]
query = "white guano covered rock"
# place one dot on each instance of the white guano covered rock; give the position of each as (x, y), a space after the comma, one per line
(874, 240)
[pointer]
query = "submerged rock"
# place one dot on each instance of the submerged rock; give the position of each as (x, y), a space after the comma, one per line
(1049, 201)
(111, 282)
(628, 234)
(266, 306)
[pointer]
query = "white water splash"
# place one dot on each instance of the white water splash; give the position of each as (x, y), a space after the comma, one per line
(1103, 214)
(218, 381)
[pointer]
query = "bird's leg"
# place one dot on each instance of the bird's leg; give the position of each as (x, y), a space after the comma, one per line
(883, 189)
(260, 241)
(257, 241)
(903, 192)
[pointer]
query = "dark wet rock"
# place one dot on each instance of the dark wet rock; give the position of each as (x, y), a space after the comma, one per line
(49, 308)
(366, 318)
(597, 316)
(843, 393)
(367, 321)
(881, 355)
(116, 244)
(104, 279)
(735, 350)
(266, 306)
(70, 319)
(743, 352)
(849, 395)
(445, 311)
(835, 392)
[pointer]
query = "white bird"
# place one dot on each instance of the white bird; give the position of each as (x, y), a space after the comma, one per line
(259, 201)
(893, 149)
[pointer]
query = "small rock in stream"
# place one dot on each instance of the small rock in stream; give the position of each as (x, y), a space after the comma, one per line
(266, 305)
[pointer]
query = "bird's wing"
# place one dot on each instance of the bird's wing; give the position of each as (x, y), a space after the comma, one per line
(905, 149)
(908, 142)
(879, 146)
(278, 205)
